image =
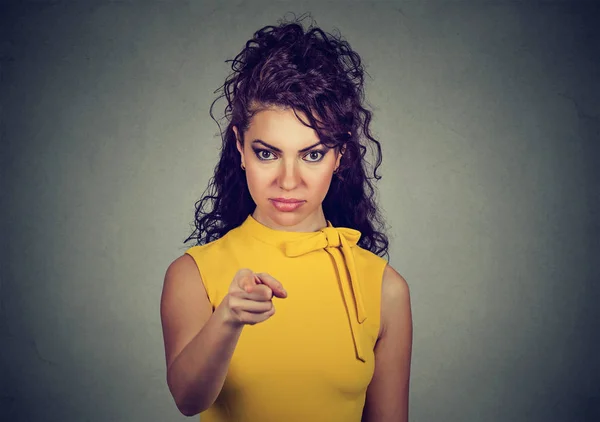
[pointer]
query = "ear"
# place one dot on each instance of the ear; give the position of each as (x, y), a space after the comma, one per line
(339, 156)
(238, 144)
(341, 152)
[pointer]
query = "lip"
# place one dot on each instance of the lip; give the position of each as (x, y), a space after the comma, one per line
(287, 206)
(287, 200)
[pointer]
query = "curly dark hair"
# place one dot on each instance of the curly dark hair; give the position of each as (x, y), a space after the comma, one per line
(320, 75)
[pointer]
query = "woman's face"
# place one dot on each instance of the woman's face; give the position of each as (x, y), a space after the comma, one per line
(283, 159)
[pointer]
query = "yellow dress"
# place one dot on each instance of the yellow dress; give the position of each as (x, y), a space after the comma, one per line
(313, 359)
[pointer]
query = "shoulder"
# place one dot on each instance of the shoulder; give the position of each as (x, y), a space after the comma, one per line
(394, 285)
(183, 264)
(183, 284)
(182, 272)
(395, 298)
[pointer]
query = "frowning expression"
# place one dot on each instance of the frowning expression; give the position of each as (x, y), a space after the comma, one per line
(285, 159)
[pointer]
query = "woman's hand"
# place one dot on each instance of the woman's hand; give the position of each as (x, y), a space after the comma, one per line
(249, 300)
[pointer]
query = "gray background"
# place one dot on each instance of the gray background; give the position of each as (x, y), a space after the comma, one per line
(488, 115)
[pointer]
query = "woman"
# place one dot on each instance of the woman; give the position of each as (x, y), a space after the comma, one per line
(291, 228)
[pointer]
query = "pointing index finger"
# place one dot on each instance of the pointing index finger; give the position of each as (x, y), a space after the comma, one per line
(271, 282)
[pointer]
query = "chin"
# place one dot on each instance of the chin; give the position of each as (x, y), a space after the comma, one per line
(282, 218)
(292, 217)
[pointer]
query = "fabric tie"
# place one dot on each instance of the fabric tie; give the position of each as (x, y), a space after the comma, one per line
(337, 242)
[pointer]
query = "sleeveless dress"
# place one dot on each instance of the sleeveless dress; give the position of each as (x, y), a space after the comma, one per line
(313, 359)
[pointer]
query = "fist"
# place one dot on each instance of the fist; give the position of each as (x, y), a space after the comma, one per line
(249, 300)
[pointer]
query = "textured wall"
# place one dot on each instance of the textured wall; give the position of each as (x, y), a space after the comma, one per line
(488, 118)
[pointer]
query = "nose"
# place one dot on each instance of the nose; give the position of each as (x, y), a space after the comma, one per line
(289, 176)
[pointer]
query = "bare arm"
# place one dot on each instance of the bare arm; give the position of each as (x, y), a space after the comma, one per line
(199, 344)
(387, 394)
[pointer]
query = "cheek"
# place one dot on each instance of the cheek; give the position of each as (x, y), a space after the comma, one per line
(256, 182)
(319, 183)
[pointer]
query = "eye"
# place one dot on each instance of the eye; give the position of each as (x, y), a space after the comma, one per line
(264, 155)
(317, 152)
(260, 154)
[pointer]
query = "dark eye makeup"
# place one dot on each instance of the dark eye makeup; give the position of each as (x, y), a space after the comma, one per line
(259, 151)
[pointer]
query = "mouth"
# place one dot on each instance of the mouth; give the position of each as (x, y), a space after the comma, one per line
(287, 206)
(287, 200)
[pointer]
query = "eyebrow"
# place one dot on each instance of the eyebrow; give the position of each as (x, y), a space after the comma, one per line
(260, 141)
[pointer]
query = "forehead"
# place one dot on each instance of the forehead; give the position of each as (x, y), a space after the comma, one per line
(275, 125)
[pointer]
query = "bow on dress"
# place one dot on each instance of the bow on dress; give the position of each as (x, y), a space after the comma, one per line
(337, 241)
